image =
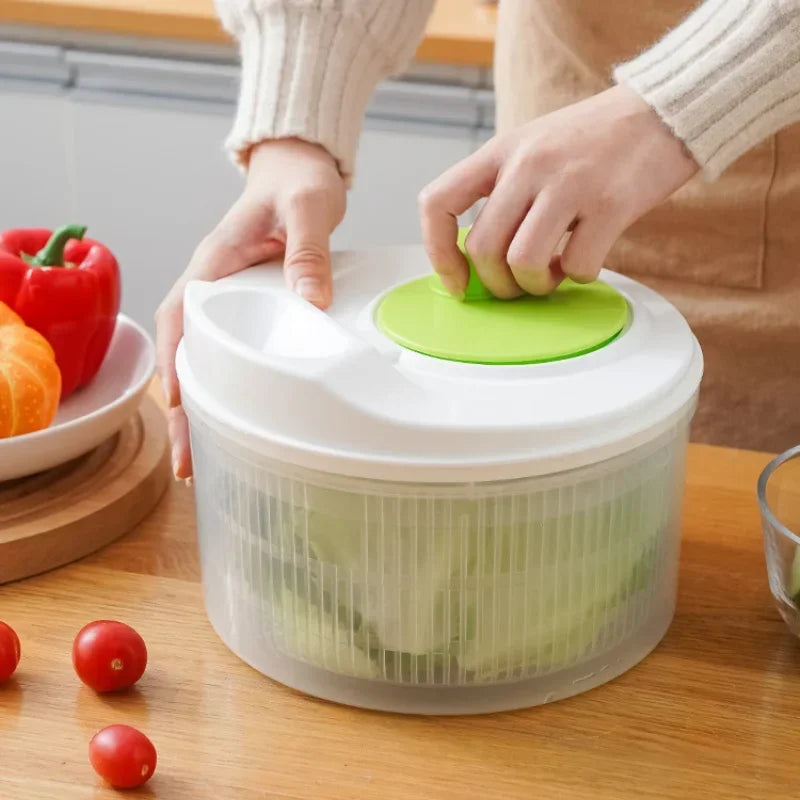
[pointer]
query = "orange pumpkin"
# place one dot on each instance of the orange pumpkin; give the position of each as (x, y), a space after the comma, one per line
(30, 381)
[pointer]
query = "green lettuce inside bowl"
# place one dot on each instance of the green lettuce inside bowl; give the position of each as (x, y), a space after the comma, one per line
(418, 588)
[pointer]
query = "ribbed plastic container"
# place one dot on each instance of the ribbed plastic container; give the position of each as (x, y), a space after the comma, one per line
(455, 599)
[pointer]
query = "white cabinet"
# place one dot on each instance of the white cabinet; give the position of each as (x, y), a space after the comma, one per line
(395, 160)
(132, 146)
(152, 175)
(414, 131)
(34, 157)
(34, 146)
(153, 181)
(148, 137)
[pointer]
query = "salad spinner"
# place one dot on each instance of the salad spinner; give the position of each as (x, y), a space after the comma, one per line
(422, 504)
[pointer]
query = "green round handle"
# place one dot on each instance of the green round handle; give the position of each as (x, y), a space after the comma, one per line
(574, 319)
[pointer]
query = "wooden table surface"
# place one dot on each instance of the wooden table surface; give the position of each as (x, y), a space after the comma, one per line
(713, 713)
(458, 31)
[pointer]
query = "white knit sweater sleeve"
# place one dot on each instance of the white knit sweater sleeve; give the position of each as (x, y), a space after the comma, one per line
(725, 79)
(310, 66)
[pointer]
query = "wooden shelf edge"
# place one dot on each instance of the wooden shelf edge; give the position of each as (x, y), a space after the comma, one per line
(436, 48)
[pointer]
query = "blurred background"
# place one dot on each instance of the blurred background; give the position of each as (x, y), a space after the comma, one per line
(114, 112)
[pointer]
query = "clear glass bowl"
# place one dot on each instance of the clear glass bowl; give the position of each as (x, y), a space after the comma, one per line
(779, 499)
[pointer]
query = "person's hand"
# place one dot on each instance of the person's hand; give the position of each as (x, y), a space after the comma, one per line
(588, 170)
(293, 199)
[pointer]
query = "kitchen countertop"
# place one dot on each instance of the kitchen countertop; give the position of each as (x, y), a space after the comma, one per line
(712, 713)
(458, 32)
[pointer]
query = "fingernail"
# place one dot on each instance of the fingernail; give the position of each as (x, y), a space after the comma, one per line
(175, 467)
(452, 285)
(189, 482)
(584, 277)
(310, 289)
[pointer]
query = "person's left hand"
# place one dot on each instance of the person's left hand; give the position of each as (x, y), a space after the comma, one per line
(293, 199)
(590, 170)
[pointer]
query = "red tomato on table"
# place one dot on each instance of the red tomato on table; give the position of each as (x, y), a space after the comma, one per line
(10, 651)
(109, 655)
(123, 756)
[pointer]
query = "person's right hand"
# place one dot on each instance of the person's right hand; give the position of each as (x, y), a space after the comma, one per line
(586, 171)
(293, 199)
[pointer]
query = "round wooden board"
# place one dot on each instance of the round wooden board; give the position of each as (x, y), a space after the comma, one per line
(58, 516)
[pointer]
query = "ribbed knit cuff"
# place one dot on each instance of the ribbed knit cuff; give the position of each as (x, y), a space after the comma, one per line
(308, 73)
(725, 79)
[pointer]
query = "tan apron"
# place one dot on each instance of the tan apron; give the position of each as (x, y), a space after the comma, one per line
(727, 254)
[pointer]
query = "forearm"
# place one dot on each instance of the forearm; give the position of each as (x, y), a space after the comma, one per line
(725, 79)
(308, 69)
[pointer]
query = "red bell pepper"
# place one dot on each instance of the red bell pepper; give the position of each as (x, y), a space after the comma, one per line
(67, 288)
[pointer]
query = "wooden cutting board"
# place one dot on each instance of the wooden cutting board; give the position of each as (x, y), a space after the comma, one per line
(65, 513)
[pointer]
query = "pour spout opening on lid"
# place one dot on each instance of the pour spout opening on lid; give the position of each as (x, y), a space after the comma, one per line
(274, 323)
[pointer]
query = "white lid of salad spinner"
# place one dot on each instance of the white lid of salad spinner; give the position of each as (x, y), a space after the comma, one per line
(332, 391)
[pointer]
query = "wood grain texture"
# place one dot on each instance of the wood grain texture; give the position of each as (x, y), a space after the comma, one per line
(458, 32)
(58, 516)
(713, 713)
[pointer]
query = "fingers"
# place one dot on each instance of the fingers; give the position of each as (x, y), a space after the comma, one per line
(245, 236)
(307, 263)
(214, 258)
(440, 204)
(169, 330)
(310, 198)
(588, 248)
(493, 232)
(530, 254)
(178, 427)
(556, 270)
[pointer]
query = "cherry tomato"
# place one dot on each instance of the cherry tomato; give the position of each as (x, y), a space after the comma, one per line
(109, 655)
(9, 651)
(123, 756)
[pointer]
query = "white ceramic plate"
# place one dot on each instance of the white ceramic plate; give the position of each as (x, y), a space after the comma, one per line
(91, 415)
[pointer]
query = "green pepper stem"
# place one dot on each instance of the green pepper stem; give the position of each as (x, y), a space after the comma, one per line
(52, 254)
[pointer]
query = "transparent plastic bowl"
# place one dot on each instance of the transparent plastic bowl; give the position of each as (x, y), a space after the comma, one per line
(438, 599)
(779, 499)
